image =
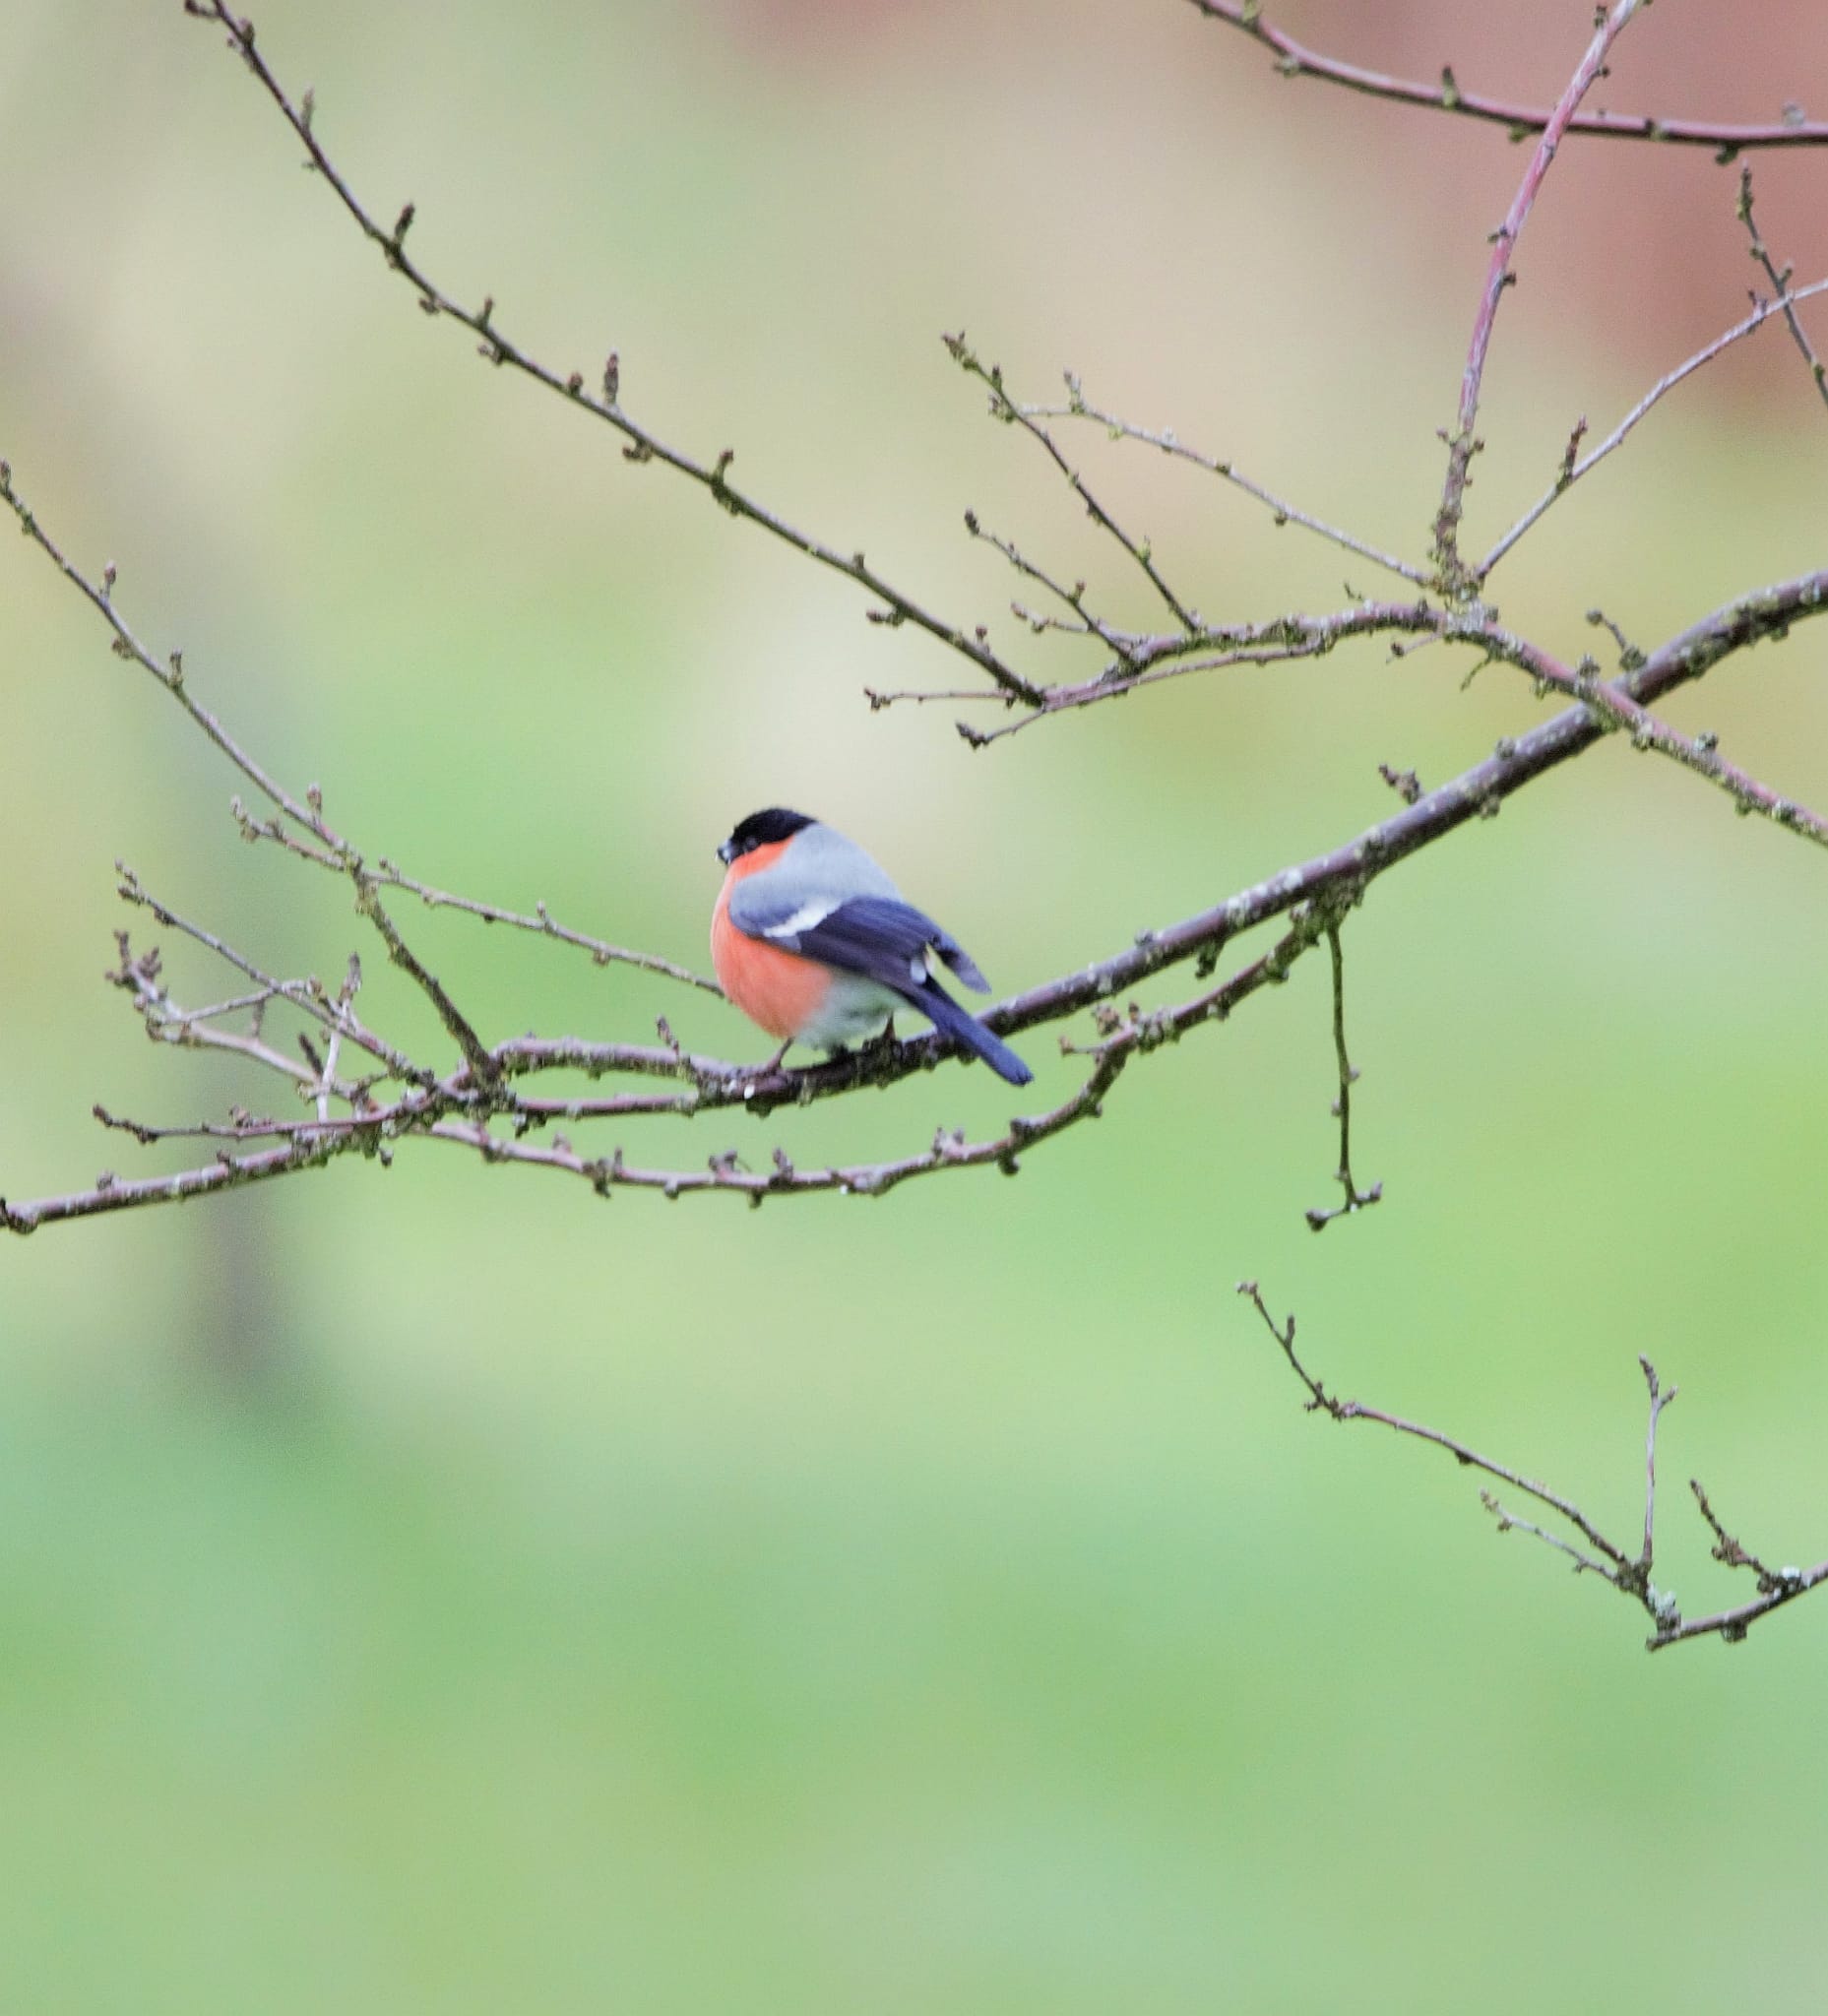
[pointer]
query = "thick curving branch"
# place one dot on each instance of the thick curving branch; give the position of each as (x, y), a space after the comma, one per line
(466, 1105)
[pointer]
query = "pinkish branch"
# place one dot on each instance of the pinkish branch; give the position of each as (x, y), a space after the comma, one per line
(1463, 443)
(1700, 754)
(1295, 60)
(1780, 278)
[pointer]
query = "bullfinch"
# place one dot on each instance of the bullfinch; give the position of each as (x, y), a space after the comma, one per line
(814, 943)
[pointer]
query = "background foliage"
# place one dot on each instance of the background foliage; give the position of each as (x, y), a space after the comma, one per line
(430, 1590)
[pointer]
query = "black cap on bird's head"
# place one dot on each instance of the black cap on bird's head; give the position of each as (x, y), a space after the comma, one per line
(763, 829)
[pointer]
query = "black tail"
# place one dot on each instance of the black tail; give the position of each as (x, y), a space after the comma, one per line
(964, 1028)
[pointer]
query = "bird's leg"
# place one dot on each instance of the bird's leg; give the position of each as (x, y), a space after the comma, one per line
(882, 1046)
(749, 1078)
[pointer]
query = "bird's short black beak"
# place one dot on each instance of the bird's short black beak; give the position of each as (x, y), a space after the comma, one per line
(726, 854)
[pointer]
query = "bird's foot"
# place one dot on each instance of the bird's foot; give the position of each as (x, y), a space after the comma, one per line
(749, 1078)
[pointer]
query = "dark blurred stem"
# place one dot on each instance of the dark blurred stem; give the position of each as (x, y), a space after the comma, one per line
(1356, 1199)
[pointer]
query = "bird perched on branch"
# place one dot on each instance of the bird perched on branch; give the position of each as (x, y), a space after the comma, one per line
(814, 943)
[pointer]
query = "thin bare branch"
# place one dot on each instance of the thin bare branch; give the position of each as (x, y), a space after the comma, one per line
(1150, 661)
(314, 1001)
(455, 1023)
(1726, 1550)
(924, 696)
(1776, 1585)
(332, 851)
(1165, 439)
(1323, 1402)
(1573, 468)
(1510, 1522)
(1289, 638)
(169, 673)
(167, 1022)
(1084, 622)
(1005, 408)
(387, 874)
(225, 1174)
(1731, 1627)
(644, 444)
(726, 1175)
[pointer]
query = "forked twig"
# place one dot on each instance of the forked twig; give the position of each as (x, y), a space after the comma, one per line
(1575, 466)
(1005, 408)
(1780, 280)
(1594, 1554)
(1463, 443)
(1078, 408)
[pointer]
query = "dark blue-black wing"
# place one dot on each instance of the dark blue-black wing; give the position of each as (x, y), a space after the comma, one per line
(883, 939)
(887, 940)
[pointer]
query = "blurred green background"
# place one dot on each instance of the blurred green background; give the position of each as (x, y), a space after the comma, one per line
(441, 1591)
